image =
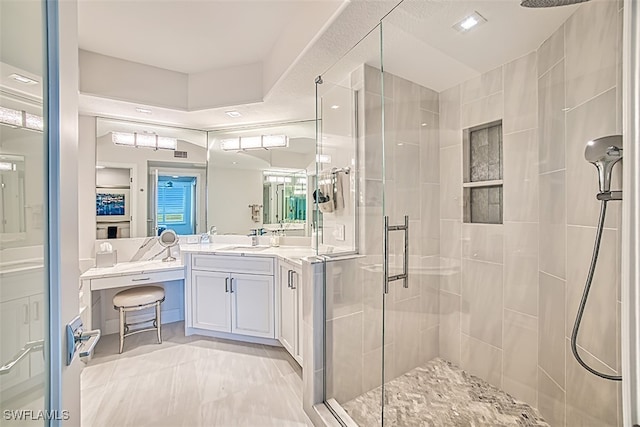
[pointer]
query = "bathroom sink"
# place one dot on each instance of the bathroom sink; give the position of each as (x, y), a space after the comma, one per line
(244, 248)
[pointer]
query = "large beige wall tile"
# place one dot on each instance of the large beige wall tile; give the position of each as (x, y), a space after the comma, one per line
(482, 301)
(406, 343)
(406, 108)
(590, 47)
(430, 294)
(450, 256)
(373, 136)
(483, 242)
(520, 356)
(430, 217)
(429, 345)
(451, 182)
(429, 100)
(482, 360)
(551, 327)
(598, 329)
(429, 147)
(485, 84)
(520, 94)
(484, 110)
(591, 401)
(553, 240)
(551, 119)
(520, 188)
(343, 289)
(449, 337)
(344, 357)
(551, 51)
(450, 129)
(521, 267)
(591, 120)
(551, 400)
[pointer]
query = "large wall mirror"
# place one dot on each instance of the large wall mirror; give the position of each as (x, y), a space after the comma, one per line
(149, 178)
(258, 178)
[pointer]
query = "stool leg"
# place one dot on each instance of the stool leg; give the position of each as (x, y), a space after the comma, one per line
(122, 323)
(158, 322)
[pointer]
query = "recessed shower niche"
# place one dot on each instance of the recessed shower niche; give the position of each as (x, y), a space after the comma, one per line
(482, 173)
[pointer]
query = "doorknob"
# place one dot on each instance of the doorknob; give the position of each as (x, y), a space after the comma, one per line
(77, 337)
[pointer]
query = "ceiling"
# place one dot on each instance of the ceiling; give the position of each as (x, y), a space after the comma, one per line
(419, 44)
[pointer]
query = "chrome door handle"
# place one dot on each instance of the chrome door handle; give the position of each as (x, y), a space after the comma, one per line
(77, 337)
(405, 262)
(24, 351)
(226, 284)
(144, 279)
(86, 336)
(232, 285)
(289, 278)
(293, 275)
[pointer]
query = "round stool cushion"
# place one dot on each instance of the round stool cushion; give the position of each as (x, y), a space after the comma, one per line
(138, 296)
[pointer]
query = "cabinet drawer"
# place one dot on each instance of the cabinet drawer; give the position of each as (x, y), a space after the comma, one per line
(136, 279)
(233, 264)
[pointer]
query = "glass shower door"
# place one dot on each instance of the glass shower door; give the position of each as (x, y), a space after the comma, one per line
(24, 367)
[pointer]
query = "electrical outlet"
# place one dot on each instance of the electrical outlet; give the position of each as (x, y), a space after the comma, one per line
(339, 232)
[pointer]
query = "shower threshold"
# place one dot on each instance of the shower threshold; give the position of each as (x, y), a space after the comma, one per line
(441, 394)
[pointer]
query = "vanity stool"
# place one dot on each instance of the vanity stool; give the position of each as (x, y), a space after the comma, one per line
(136, 299)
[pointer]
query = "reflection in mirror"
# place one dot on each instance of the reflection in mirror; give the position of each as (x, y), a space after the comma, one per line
(257, 178)
(152, 176)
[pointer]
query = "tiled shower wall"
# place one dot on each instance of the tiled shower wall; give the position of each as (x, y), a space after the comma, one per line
(509, 293)
(354, 287)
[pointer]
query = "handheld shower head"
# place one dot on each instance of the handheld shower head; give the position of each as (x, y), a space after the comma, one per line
(604, 152)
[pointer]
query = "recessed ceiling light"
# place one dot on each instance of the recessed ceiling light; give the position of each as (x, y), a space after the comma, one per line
(335, 107)
(99, 167)
(423, 124)
(23, 79)
(233, 113)
(400, 143)
(143, 110)
(235, 163)
(469, 22)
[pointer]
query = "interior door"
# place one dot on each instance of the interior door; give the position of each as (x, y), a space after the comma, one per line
(24, 242)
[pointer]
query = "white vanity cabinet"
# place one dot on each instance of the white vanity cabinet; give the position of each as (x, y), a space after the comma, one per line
(232, 294)
(290, 316)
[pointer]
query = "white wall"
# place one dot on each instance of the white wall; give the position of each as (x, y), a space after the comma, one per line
(231, 191)
(86, 185)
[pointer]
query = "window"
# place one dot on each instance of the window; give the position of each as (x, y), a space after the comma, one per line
(482, 161)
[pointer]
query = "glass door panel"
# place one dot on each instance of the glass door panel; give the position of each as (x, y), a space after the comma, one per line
(24, 367)
(350, 148)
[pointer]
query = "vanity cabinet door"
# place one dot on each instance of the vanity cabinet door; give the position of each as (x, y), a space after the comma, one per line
(252, 305)
(288, 305)
(14, 329)
(210, 300)
(297, 283)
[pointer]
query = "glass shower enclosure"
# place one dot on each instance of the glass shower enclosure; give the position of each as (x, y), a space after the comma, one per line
(475, 216)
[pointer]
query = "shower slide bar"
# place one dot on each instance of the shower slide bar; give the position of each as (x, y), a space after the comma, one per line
(405, 263)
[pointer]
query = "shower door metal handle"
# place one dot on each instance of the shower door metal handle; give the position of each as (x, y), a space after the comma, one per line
(405, 262)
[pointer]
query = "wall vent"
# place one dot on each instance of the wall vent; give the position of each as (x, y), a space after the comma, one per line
(180, 154)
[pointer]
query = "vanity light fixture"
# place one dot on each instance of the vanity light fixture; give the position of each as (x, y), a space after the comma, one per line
(254, 142)
(23, 79)
(323, 158)
(469, 22)
(233, 113)
(20, 119)
(148, 140)
(335, 107)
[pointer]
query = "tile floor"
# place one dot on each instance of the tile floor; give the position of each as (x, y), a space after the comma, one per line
(441, 394)
(190, 381)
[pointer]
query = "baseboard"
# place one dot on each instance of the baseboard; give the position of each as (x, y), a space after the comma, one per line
(234, 337)
(112, 326)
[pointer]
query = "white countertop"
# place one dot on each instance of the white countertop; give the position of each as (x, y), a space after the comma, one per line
(293, 254)
(136, 267)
